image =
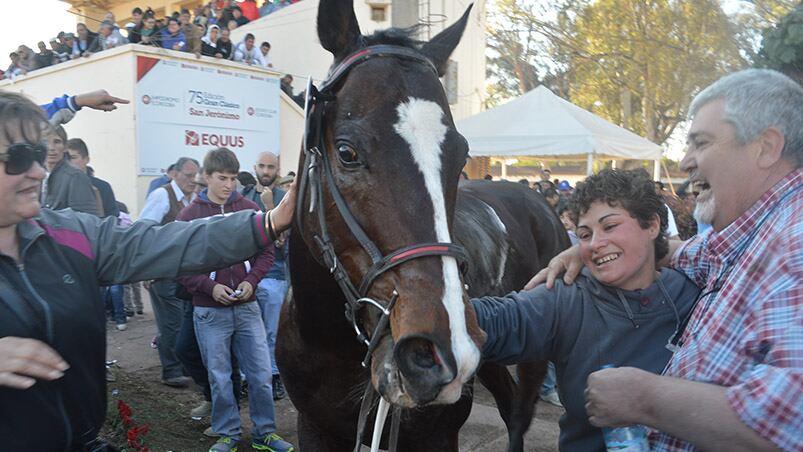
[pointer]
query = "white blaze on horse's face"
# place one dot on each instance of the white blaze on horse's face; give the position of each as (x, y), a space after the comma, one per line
(421, 125)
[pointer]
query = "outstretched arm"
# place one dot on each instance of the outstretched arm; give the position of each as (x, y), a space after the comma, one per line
(96, 100)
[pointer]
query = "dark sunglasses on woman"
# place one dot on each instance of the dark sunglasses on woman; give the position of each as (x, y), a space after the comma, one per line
(19, 158)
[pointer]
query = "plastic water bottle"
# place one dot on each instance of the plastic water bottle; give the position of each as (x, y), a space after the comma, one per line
(632, 438)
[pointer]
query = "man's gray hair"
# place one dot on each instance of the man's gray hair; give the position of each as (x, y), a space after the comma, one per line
(183, 161)
(756, 99)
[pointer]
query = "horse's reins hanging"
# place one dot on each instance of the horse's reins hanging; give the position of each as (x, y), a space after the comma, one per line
(317, 166)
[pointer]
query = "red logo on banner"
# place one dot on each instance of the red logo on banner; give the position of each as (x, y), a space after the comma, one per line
(191, 138)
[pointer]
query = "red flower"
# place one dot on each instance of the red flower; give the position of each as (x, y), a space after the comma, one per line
(134, 433)
(133, 437)
(124, 409)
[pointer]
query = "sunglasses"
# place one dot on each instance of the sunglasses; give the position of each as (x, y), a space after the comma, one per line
(19, 158)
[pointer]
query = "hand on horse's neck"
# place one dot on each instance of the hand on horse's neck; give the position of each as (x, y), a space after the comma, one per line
(9, 244)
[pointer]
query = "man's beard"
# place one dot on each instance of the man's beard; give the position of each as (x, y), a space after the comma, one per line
(705, 209)
(267, 181)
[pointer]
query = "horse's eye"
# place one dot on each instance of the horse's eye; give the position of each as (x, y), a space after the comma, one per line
(347, 155)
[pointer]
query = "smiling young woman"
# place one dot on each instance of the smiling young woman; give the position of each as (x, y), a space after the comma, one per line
(620, 310)
(621, 229)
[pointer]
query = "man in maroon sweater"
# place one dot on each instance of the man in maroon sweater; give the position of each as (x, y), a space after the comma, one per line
(226, 316)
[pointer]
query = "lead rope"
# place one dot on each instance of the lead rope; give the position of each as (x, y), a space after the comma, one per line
(365, 408)
(379, 422)
(395, 425)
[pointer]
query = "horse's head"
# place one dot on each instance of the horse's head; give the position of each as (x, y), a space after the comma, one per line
(393, 153)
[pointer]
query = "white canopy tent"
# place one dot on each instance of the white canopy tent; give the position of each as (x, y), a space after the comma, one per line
(541, 124)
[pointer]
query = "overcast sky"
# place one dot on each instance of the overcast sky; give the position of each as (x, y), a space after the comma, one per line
(36, 21)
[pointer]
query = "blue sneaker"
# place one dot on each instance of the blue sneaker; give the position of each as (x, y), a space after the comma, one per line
(224, 444)
(272, 443)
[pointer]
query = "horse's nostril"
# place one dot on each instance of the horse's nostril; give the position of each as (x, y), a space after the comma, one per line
(422, 353)
(416, 355)
(422, 365)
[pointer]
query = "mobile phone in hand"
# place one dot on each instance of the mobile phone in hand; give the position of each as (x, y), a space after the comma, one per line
(236, 293)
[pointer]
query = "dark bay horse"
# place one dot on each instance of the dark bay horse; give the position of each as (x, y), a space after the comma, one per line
(374, 225)
(377, 191)
(510, 233)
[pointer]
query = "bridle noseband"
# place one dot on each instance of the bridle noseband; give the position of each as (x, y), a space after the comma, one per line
(317, 166)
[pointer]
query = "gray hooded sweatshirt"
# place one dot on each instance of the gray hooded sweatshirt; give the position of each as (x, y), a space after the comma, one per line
(582, 327)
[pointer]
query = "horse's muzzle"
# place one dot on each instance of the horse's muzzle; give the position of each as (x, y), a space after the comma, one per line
(424, 366)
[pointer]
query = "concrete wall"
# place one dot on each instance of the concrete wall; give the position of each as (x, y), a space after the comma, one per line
(111, 137)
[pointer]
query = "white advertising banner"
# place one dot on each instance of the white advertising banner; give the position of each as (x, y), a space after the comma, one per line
(185, 110)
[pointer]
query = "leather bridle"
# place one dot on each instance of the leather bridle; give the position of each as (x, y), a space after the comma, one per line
(317, 172)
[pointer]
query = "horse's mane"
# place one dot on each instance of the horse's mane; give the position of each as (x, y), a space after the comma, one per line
(403, 37)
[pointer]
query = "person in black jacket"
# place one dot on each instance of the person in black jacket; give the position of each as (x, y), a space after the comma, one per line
(134, 36)
(79, 158)
(224, 45)
(52, 325)
(209, 41)
(45, 57)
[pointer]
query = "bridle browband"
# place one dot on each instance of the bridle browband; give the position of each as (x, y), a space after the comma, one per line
(317, 167)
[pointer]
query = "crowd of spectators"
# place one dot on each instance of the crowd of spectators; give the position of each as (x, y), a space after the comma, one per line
(680, 202)
(204, 31)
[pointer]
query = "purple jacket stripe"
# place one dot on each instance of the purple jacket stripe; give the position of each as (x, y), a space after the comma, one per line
(71, 239)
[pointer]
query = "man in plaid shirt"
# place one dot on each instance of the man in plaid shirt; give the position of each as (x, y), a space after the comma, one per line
(735, 381)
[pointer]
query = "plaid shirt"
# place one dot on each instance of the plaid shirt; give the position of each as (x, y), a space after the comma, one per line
(746, 332)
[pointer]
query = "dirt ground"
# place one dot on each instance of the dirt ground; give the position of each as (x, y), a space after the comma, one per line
(166, 410)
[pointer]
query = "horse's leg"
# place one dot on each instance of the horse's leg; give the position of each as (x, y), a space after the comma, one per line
(530, 376)
(497, 379)
(311, 438)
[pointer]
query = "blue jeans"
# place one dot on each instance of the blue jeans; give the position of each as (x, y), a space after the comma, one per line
(219, 330)
(113, 297)
(549, 380)
(270, 295)
(189, 354)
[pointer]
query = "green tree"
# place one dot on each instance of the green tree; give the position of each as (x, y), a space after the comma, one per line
(751, 20)
(770, 12)
(638, 62)
(519, 57)
(782, 46)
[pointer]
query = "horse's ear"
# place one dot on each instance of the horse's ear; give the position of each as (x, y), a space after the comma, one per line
(443, 44)
(338, 29)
